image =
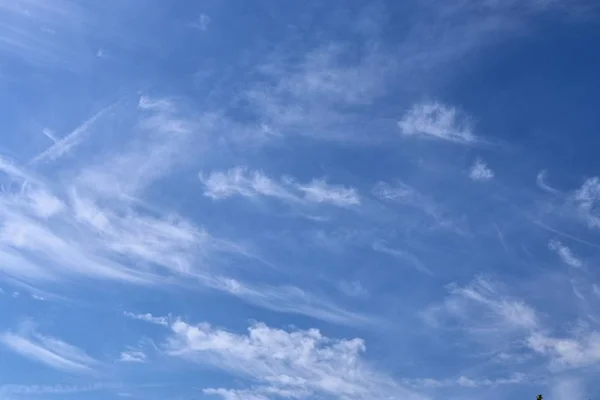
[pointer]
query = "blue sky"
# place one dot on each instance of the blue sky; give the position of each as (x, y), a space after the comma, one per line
(265, 200)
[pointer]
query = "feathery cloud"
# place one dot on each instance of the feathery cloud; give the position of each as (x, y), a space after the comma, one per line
(242, 182)
(481, 308)
(164, 321)
(49, 351)
(541, 181)
(406, 195)
(587, 199)
(412, 260)
(438, 121)
(578, 351)
(133, 356)
(319, 191)
(92, 225)
(37, 390)
(565, 254)
(293, 300)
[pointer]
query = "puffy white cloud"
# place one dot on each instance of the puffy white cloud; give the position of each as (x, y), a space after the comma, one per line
(480, 171)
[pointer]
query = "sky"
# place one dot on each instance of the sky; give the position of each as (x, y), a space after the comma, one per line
(290, 200)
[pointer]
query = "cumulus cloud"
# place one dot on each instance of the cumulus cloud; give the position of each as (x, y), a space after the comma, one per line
(436, 121)
(240, 181)
(480, 171)
(300, 363)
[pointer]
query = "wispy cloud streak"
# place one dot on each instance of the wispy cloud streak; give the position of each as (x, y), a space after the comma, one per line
(436, 121)
(49, 351)
(240, 181)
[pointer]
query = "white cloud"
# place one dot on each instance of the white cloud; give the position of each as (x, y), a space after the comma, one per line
(308, 95)
(581, 350)
(133, 356)
(44, 204)
(36, 390)
(232, 394)
(240, 181)
(565, 254)
(480, 171)
(49, 134)
(504, 323)
(67, 143)
(319, 191)
(97, 226)
(482, 309)
(164, 321)
(202, 22)
(410, 259)
(92, 223)
(100, 231)
(587, 199)
(353, 289)
(568, 389)
(542, 184)
(49, 351)
(435, 120)
(291, 299)
(300, 363)
(465, 382)
(406, 195)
